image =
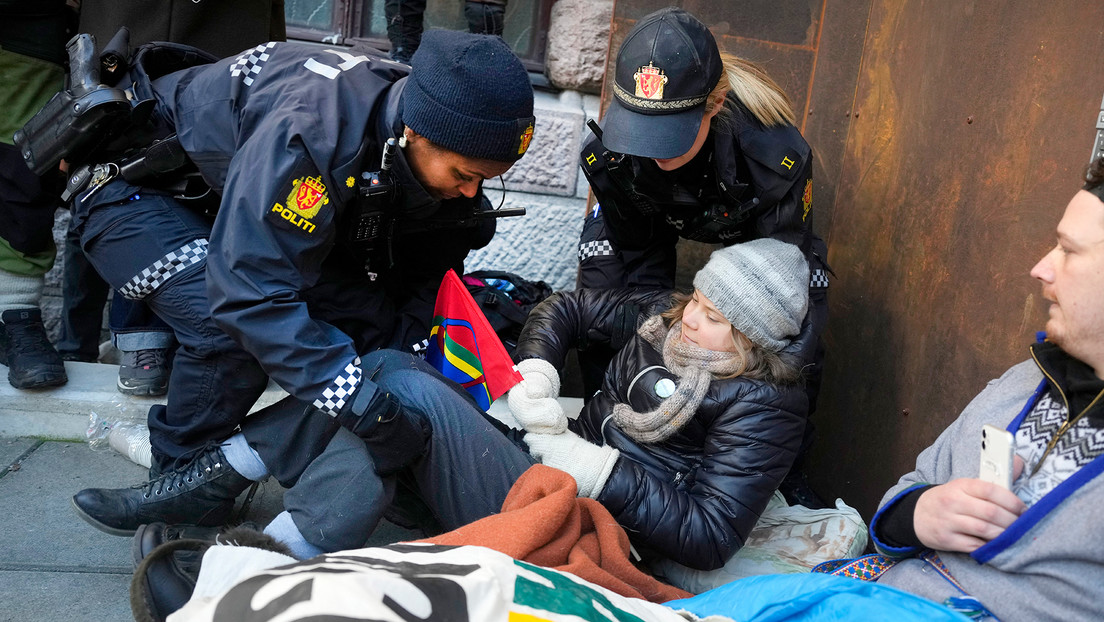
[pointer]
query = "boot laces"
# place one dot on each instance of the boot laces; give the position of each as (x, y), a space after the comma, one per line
(207, 464)
(147, 359)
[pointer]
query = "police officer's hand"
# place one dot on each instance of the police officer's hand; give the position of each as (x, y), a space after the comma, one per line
(395, 436)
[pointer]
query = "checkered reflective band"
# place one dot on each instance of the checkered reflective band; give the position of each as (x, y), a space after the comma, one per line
(818, 278)
(597, 248)
(250, 62)
(145, 282)
(334, 396)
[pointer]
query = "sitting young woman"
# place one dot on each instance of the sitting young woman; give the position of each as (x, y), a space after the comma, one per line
(700, 414)
(699, 419)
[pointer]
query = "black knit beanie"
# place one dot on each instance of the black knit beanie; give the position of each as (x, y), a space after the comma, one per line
(470, 94)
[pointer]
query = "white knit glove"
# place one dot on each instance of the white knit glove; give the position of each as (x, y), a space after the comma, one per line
(588, 463)
(533, 400)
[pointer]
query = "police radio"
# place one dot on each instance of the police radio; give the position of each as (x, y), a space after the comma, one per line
(373, 220)
(375, 190)
(620, 171)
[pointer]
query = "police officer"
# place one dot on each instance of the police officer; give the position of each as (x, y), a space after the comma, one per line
(298, 273)
(695, 144)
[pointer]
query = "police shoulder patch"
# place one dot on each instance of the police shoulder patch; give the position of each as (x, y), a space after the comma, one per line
(770, 150)
(306, 196)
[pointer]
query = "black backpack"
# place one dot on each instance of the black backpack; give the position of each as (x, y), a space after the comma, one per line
(506, 299)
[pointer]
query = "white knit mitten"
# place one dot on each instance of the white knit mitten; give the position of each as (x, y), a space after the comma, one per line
(588, 463)
(533, 400)
(531, 369)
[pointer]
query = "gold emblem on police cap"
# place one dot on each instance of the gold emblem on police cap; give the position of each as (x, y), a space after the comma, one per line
(649, 82)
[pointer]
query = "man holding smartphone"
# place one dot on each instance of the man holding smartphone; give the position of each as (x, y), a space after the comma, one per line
(1035, 551)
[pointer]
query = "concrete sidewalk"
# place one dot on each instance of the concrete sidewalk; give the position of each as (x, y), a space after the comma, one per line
(53, 565)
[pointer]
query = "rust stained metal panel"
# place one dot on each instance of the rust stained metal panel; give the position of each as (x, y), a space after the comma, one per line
(974, 122)
(828, 114)
(789, 66)
(787, 22)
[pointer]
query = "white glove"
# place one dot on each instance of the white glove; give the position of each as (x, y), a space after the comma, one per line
(538, 369)
(533, 400)
(588, 463)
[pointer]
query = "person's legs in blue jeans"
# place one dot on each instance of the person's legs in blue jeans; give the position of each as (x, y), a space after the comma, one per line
(468, 465)
(145, 342)
(463, 473)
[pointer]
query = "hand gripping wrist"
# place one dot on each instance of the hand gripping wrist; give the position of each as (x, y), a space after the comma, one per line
(367, 409)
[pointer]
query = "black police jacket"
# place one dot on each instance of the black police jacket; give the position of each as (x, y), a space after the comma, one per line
(695, 496)
(282, 133)
(759, 184)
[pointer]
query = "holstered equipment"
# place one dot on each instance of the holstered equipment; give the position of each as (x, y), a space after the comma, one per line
(76, 120)
(104, 131)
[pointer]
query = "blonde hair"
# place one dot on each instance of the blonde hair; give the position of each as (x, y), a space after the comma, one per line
(755, 89)
(753, 360)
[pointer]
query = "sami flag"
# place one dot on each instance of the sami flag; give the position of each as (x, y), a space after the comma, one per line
(464, 347)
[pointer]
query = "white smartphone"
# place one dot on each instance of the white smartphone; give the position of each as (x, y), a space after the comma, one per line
(996, 456)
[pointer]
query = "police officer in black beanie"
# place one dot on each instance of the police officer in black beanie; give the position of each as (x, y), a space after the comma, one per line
(299, 273)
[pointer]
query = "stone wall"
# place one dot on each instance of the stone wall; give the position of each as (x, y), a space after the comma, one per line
(578, 37)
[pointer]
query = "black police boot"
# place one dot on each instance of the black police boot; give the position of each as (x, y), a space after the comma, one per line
(24, 347)
(168, 558)
(200, 493)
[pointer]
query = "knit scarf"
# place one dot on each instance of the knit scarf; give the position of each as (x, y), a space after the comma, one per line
(694, 367)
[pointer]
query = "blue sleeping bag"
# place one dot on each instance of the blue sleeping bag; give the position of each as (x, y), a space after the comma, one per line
(813, 597)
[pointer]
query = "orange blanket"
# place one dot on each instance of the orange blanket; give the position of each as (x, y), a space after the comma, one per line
(544, 523)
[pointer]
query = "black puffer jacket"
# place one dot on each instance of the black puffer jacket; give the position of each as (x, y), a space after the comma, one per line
(695, 496)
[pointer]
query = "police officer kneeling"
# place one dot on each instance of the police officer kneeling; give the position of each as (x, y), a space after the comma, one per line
(299, 273)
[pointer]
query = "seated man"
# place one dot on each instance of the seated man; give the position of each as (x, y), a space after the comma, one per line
(1034, 552)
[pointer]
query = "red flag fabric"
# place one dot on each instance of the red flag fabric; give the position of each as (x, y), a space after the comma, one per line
(464, 347)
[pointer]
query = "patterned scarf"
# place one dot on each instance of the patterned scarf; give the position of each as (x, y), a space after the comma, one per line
(694, 367)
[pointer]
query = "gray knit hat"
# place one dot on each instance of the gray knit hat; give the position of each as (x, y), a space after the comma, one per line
(761, 287)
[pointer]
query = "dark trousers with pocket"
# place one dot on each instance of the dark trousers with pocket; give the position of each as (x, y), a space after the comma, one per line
(149, 247)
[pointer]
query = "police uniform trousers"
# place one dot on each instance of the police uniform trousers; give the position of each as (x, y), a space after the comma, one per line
(150, 247)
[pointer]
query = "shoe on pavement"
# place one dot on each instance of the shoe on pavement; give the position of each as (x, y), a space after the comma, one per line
(201, 492)
(32, 361)
(144, 372)
(168, 559)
